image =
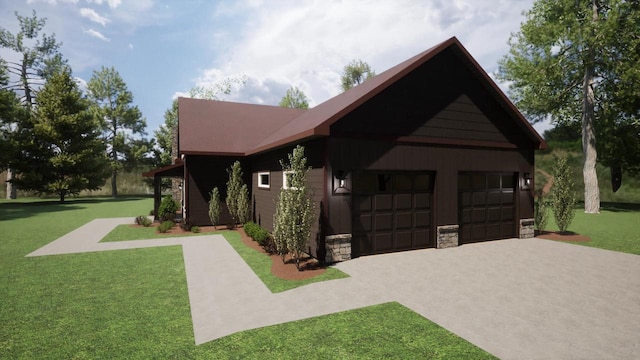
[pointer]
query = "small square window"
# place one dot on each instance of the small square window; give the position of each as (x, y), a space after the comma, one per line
(264, 180)
(286, 180)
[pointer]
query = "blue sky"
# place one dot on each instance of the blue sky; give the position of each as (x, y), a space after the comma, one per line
(164, 48)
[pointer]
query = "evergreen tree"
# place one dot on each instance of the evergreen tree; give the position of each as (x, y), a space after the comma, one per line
(563, 193)
(62, 152)
(39, 58)
(119, 119)
(235, 196)
(214, 206)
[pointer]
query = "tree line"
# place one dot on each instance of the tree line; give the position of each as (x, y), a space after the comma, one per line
(54, 138)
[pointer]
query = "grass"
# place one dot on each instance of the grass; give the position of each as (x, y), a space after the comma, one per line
(615, 228)
(261, 265)
(629, 192)
(128, 232)
(133, 304)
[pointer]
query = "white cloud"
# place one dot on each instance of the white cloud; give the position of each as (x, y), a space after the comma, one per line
(307, 43)
(130, 46)
(97, 34)
(94, 16)
(112, 3)
(52, 2)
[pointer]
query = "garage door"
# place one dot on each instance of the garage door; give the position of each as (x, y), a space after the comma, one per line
(391, 212)
(486, 204)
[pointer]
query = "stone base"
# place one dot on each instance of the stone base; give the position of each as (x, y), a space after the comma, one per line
(527, 228)
(338, 248)
(447, 236)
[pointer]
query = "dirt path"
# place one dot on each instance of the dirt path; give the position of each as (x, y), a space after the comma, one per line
(547, 186)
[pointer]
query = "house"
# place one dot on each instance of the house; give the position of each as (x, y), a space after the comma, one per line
(429, 153)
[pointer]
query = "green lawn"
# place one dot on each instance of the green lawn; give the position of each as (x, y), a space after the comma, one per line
(128, 232)
(615, 228)
(133, 304)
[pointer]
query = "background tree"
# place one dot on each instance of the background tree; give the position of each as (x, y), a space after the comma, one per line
(166, 149)
(294, 99)
(39, 58)
(563, 195)
(62, 152)
(9, 112)
(577, 61)
(119, 119)
(355, 73)
(294, 214)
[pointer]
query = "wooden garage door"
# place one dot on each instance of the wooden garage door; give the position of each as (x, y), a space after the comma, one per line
(391, 212)
(486, 205)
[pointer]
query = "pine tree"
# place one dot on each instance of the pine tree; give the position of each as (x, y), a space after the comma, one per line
(62, 152)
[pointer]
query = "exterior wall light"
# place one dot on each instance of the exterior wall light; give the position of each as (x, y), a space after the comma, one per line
(340, 183)
(526, 181)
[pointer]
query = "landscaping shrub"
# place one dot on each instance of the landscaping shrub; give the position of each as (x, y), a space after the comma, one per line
(143, 220)
(166, 226)
(195, 229)
(541, 211)
(563, 194)
(214, 206)
(243, 204)
(167, 209)
(234, 193)
(261, 236)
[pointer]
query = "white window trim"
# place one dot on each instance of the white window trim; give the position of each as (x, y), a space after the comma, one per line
(260, 184)
(284, 181)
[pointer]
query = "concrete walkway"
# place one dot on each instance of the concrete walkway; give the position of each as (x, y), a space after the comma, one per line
(517, 299)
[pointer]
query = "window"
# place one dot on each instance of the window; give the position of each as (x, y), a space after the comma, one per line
(264, 180)
(286, 180)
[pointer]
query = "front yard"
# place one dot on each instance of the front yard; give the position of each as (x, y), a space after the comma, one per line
(134, 303)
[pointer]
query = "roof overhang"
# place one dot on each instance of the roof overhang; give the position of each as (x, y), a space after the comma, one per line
(173, 170)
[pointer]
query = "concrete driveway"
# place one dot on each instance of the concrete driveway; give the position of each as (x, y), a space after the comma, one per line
(520, 298)
(517, 298)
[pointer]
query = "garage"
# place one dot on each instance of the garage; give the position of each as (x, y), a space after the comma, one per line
(486, 204)
(392, 211)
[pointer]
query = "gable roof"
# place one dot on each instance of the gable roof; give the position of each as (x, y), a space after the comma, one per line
(227, 128)
(284, 126)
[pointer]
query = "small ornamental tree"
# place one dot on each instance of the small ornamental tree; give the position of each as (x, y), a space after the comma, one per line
(563, 194)
(295, 209)
(243, 204)
(214, 206)
(541, 210)
(234, 194)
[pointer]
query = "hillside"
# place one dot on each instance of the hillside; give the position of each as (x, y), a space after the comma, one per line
(629, 192)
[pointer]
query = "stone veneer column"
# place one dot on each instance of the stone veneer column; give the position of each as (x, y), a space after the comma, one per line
(527, 228)
(447, 236)
(338, 248)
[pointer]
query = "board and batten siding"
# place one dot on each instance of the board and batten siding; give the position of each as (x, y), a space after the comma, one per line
(203, 174)
(351, 155)
(264, 200)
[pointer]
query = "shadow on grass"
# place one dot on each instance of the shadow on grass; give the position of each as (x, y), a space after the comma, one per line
(18, 209)
(619, 207)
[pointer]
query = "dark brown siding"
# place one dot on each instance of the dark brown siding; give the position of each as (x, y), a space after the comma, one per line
(204, 173)
(441, 99)
(264, 200)
(355, 154)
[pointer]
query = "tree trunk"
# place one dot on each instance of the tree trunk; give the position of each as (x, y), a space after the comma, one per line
(114, 185)
(11, 190)
(591, 190)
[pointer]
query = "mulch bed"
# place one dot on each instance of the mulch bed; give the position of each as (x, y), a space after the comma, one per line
(562, 236)
(287, 270)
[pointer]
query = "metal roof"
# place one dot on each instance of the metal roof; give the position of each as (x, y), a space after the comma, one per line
(226, 128)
